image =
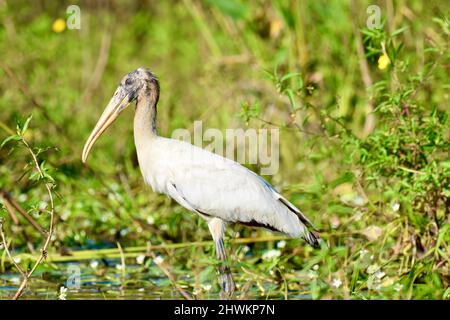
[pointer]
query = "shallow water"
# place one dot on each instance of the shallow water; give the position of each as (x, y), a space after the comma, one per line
(92, 283)
(106, 281)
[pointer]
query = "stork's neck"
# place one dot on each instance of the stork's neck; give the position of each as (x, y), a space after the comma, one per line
(145, 119)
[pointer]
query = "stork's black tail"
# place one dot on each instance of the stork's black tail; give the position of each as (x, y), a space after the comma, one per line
(313, 238)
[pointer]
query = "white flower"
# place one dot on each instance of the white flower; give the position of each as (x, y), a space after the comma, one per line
(119, 266)
(352, 199)
(316, 267)
(271, 254)
(42, 205)
(373, 268)
(281, 244)
(140, 259)
(158, 260)
(115, 186)
(362, 253)
(375, 276)
(62, 293)
(358, 201)
(377, 285)
(94, 264)
(398, 287)
(15, 280)
(206, 287)
(336, 282)
(17, 260)
(65, 215)
(150, 220)
(395, 206)
(245, 249)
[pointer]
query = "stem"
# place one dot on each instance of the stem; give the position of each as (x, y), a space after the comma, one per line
(49, 233)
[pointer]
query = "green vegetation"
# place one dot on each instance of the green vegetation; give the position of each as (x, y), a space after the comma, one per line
(364, 145)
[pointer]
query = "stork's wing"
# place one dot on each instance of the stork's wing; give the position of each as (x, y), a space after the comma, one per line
(289, 205)
(218, 187)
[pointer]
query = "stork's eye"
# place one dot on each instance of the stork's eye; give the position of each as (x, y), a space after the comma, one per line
(129, 81)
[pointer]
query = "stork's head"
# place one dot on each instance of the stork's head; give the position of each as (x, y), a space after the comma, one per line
(135, 85)
(138, 82)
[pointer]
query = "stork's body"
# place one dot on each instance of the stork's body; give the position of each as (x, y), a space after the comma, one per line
(218, 189)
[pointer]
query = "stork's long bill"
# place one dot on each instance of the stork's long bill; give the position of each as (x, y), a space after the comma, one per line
(118, 102)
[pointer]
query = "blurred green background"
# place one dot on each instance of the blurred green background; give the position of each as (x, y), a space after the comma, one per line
(364, 144)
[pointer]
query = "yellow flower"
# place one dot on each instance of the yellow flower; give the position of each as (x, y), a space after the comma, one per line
(275, 28)
(59, 25)
(383, 62)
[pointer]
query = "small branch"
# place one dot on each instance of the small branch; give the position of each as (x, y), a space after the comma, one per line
(8, 253)
(282, 126)
(122, 262)
(48, 234)
(410, 170)
(172, 279)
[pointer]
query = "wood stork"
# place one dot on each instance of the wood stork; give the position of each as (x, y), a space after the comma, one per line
(218, 189)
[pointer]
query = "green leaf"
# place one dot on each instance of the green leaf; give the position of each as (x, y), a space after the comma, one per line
(35, 176)
(11, 138)
(25, 126)
(291, 97)
(233, 8)
(289, 76)
(398, 31)
(445, 164)
(346, 177)
(446, 294)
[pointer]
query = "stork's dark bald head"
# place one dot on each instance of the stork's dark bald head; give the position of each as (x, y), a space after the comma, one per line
(138, 82)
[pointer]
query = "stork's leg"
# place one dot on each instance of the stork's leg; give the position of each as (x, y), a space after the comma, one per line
(217, 228)
(225, 276)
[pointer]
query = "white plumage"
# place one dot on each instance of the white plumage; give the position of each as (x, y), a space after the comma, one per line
(214, 186)
(218, 189)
